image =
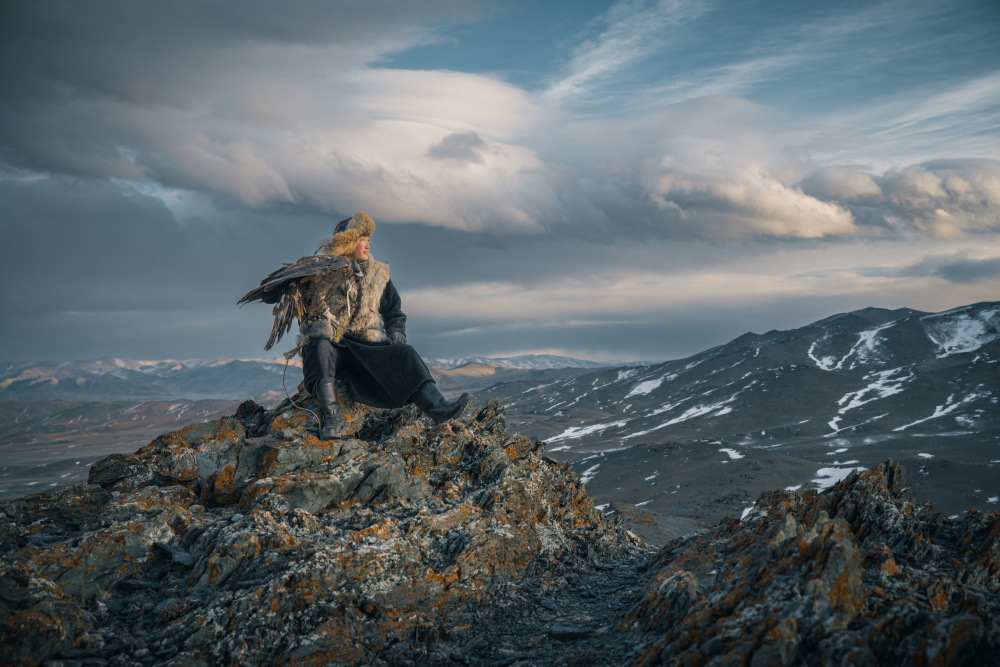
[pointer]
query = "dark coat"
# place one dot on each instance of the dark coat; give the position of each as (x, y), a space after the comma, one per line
(391, 308)
(378, 374)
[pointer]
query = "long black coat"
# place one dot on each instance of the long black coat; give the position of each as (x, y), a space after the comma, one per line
(381, 375)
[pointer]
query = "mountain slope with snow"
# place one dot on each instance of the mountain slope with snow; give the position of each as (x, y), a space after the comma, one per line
(869, 382)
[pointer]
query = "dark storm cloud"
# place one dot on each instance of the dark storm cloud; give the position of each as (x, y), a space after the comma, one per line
(81, 44)
(461, 146)
(82, 245)
(966, 271)
(89, 269)
(435, 257)
(960, 269)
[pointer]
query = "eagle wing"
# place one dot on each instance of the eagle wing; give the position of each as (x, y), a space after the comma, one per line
(281, 288)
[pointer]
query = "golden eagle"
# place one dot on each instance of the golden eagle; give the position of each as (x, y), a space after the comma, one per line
(289, 287)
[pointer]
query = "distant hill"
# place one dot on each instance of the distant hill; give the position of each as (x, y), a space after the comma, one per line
(51, 443)
(526, 362)
(697, 438)
(804, 406)
(115, 379)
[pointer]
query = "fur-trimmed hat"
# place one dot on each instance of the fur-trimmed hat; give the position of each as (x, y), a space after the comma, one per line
(346, 234)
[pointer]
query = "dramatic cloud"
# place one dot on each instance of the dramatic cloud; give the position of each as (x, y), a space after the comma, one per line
(835, 183)
(278, 110)
(638, 176)
(747, 202)
(945, 198)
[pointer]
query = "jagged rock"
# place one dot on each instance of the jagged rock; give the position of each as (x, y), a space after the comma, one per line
(567, 632)
(858, 575)
(37, 619)
(247, 540)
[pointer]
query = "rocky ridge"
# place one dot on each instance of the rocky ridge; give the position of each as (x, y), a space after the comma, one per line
(246, 540)
(857, 575)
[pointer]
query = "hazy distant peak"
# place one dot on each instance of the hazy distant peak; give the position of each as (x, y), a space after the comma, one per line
(522, 362)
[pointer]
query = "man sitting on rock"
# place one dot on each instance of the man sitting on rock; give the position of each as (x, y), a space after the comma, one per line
(356, 330)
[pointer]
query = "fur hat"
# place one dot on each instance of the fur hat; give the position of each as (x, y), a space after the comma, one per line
(346, 234)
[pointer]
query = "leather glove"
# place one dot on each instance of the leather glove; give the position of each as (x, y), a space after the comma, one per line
(397, 338)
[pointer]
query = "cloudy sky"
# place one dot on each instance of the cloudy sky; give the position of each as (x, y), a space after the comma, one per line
(608, 180)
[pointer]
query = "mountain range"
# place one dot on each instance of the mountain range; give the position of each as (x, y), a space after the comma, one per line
(798, 409)
(693, 439)
(527, 362)
(221, 378)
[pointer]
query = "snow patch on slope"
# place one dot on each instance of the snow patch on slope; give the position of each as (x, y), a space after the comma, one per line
(827, 477)
(882, 384)
(589, 474)
(825, 363)
(690, 413)
(574, 432)
(949, 406)
(863, 351)
(963, 333)
(646, 387)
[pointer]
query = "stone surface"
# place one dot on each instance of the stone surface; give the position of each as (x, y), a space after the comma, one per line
(858, 575)
(37, 619)
(246, 540)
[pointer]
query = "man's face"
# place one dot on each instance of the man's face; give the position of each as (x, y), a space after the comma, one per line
(362, 248)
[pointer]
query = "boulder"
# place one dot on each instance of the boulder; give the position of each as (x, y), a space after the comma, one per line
(252, 541)
(856, 575)
(246, 540)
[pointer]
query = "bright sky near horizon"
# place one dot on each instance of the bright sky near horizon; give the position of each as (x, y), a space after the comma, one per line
(607, 180)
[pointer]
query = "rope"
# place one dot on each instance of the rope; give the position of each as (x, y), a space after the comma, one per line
(300, 407)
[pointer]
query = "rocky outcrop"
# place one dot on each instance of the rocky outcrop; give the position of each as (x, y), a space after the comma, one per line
(248, 541)
(857, 575)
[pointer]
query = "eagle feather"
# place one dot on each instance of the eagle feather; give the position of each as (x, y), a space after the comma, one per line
(282, 288)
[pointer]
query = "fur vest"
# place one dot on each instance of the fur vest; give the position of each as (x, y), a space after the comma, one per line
(353, 307)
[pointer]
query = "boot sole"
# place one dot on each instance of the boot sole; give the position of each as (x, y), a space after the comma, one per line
(460, 412)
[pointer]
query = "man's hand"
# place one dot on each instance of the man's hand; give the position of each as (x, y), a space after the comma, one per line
(397, 338)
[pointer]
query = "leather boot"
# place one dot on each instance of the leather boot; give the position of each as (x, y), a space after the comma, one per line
(331, 423)
(430, 401)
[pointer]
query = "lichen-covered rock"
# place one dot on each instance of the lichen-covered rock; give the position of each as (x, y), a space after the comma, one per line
(857, 575)
(37, 619)
(248, 541)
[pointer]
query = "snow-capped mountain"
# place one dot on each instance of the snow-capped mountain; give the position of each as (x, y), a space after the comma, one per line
(870, 370)
(871, 383)
(115, 379)
(112, 379)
